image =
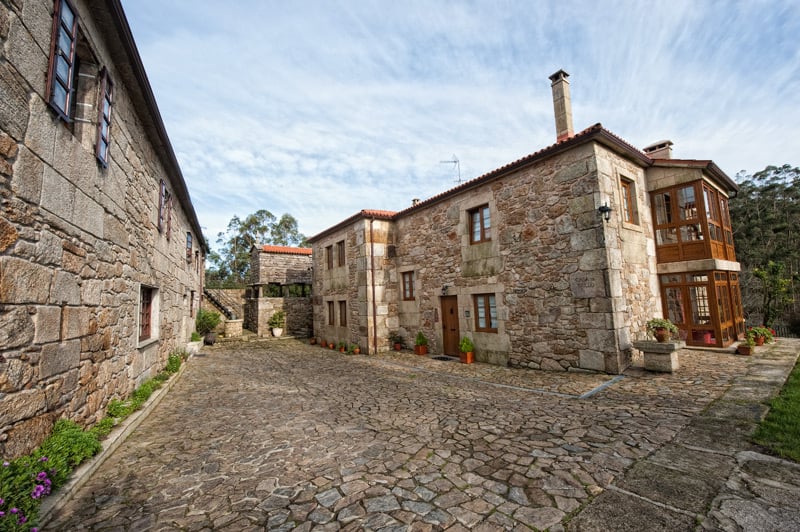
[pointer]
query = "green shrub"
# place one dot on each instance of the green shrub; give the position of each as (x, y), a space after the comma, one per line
(466, 345)
(196, 337)
(118, 409)
(26, 480)
(174, 363)
(206, 321)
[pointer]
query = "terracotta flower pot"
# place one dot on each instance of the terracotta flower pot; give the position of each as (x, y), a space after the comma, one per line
(661, 334)
(467, 358)
(760, 340)
(397, 346)
(746, 350)
(357, 351)
(421, 349)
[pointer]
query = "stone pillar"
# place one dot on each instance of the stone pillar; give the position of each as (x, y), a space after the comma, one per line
(660, 356)
(233, 328)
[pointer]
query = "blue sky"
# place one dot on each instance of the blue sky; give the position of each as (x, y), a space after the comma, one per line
(322, 108)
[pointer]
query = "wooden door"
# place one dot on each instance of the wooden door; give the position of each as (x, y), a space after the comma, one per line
(450, 333)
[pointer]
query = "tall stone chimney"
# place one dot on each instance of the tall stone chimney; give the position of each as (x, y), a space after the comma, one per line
(562, 105)
(659, 150)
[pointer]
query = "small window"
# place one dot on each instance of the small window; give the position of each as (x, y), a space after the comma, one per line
(329, 256)
(197, 262)
(485, 313)
(148, 313)
(191, 304)
(62, 67)
(331, 317)
(340, 252)
(408, 285)
(628, 189)
(188, 247)
(480, 225)
(342, 313)
(164, 210)
(104, 118)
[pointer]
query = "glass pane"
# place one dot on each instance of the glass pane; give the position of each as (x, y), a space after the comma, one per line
(67, 17)
(687, 207)
(723, 209)
(104, 130)
(663, 208)
(675, 305)
(699, 305)
(487, 223)
(481, 313)
(107, 109)
(673, 278)
(492, 312)
(62, 70)
(65, 43)
(60, 97)
(691, 232)
(698, 278)
(476, 226)
(103, 150)
(711, 205)
(666, 236)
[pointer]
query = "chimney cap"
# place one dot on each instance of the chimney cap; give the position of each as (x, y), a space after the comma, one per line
(657, 145)
(561, 75)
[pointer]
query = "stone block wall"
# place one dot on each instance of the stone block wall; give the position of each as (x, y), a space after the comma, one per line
(77, 241)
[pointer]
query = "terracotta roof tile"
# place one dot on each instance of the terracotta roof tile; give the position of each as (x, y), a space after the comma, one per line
(286, 250)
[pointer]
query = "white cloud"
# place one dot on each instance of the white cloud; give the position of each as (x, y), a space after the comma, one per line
(321, 109)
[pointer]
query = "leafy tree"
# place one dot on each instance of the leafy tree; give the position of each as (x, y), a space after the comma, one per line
(766, 224)
(230, 267)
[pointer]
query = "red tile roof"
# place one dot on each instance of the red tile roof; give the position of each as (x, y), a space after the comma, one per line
(286, 250)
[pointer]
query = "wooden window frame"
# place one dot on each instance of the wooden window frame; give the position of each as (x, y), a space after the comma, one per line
(188, 247)
(146, 294)
(408, 286)
(104, 118)
(489, 318)
(331, 316)
(340, 254)
(329, 256)
(164, 210)
(484, 219)
(628, 192)
(681, 223)
(343, 313)
(56, 79)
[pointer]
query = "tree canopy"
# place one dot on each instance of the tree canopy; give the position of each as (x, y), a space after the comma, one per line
(766, 225)
(230, 266)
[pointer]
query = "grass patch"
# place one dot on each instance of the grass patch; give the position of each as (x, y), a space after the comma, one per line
(780, 431)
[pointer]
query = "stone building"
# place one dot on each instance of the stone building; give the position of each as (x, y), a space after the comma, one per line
(280, 279)
(101, 253)
(554, 261)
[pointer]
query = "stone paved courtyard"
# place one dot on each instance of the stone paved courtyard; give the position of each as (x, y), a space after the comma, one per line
(280, 435)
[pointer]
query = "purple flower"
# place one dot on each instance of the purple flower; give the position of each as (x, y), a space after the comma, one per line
(15, 510)
(22, 519)
(2, 501)
(2, 514)
(6, 464)
(34, 529)
(43, 459)
(41, 476)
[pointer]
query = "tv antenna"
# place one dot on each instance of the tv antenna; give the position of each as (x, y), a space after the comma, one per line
(457, 164)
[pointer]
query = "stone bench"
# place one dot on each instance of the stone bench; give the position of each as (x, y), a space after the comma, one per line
(660, 356)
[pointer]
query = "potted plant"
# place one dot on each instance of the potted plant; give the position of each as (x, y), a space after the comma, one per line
(421, 344)
(747, 347)
(331, 345)
(205, 322)
(342, 346)
(760, 335)
(467, 349)
(661, 328)
(276, 322)
(354, 349)
(396, 340)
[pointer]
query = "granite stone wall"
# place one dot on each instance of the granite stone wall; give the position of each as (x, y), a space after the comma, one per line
(77, 241)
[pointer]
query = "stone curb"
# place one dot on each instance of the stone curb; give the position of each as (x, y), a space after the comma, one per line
(79, 476)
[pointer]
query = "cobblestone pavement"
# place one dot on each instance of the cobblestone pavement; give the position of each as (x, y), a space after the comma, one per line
(280, 435)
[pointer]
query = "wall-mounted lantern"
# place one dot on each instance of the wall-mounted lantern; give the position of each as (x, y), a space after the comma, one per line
(605, 211)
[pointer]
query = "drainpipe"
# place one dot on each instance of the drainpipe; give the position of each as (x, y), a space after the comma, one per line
(372, 276)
